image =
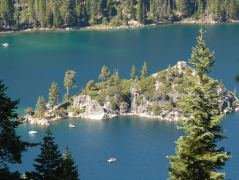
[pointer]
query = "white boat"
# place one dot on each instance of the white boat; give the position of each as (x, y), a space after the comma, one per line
(111, 160)
(32, 132)
(71, 125)
(5, 45)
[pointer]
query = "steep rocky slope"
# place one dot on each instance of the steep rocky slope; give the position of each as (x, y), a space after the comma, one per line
(156, 96)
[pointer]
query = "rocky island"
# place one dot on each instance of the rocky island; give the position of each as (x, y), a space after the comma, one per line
(156, 96)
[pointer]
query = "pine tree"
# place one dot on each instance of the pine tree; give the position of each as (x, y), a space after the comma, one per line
(132, 10)
(200, 9)
(78, 13)
(31, 11)
(232, 9)
(69, 81)
(140, 12)
(56, 14)
(40, 107)
(184, 7)
(68, 12)
(7, 11)
(67, 167)
(105, 73)
(11, 146)
(49, 15)
(110, 8)
(47, 164)
(114, 79)
(42, 12)
(53, 94)
(197, 155)
(144, 71)
(133, 73)
(202, 59)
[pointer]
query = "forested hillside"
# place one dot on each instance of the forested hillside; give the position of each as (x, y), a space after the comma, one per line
(23, 14)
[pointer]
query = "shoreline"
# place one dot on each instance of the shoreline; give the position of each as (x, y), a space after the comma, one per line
(102, 28)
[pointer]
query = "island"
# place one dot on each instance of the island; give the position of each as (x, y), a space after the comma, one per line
(154, 96)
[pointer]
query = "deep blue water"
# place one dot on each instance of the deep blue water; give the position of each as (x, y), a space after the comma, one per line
(33, 60)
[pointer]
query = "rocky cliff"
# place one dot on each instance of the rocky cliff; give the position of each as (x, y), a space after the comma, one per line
(155, 96)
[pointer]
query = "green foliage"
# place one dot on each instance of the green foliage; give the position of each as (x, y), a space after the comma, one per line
(76, 110)
(48, 161)
(133, 73)
(168, 105)
(141, 12)
(113, 89)
(53, 94)
(184, 6)
(144, 71)
(68, 167)
(146, 87)
(40, 108)
(69, 81)
(104, 73)
(7, 11)
(11, 146)
(156, 109)
(197, 155)
(202, 59)
(24, 14)
(91, 85)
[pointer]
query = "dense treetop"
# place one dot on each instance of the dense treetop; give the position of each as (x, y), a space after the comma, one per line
(22, 14)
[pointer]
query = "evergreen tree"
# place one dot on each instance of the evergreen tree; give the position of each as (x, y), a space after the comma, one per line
(110, 8)
(141, 12)
(42, 12)
(11, 145)
(69, 81)
(197, 155)
(53, 94)
(132, 10)
(7, 11)
(114, 79)
(68, 12)
(202, 59)
(144, 71)
(133, 73)
(200, 9)
(232, 9)
(31, 11)
(49, 15)
(68, 168)
(56, 14)
(40, 107)
(183, 6)
(77, 13)
(105, 73)
(47, 164)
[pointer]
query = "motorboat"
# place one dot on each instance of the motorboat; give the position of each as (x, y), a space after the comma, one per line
(32, 132)
(72, 125)
(111, 160)
(5, 45)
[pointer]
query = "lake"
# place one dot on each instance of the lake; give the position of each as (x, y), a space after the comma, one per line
(34, 60)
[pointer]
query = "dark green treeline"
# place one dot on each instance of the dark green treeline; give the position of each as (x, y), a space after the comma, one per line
(22, 14)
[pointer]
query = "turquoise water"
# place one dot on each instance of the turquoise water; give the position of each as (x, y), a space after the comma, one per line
(33, 60)
(140, 145)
